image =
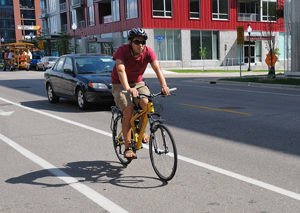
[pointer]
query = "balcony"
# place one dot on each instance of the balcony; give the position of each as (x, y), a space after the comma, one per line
(62, 8)
(81, 24)
(45, 14)
(248, 17)
(77, 3)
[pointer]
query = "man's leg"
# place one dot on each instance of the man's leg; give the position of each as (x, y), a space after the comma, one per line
(126, 128)
(143, 103)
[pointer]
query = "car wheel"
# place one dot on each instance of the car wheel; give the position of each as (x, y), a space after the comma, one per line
(36, 68)
(4, 68)
(81, 101)
(51, 95)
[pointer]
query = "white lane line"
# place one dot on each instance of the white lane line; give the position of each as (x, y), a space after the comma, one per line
(80, 187)
(188, 160)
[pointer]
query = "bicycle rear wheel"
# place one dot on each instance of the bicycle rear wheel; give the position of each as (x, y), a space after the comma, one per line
(163, 152)
(118, 141)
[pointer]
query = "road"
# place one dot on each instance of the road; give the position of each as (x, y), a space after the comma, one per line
(238, 151)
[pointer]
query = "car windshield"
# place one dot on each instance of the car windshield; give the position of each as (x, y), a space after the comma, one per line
(52, 59)
(94, 64)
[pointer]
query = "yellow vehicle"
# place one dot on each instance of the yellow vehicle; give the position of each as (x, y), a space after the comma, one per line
(16, 60)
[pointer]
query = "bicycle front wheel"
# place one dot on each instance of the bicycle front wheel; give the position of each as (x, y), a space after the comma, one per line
(163, 152)
(118, 140)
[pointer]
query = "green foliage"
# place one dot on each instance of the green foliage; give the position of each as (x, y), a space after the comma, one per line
(202, 52)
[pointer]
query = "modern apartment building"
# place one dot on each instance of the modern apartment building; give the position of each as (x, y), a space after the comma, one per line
(14, 14)
(176, 28)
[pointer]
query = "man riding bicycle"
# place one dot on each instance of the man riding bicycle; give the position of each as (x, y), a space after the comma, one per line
(131, 62)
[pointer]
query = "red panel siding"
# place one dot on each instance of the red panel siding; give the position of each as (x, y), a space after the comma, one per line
(118, 26)
(181, 20)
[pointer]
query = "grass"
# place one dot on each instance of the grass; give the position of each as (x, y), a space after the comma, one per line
(286, 81)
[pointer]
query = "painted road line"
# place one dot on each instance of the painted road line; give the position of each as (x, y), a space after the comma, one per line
(224, 110)
(80, 187)
(188, 160)
(6, 113)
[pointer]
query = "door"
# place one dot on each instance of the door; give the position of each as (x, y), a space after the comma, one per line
(252, 52)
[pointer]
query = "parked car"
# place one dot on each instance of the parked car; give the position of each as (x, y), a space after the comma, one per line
(34, 60)
(46, 63)
(84, 78)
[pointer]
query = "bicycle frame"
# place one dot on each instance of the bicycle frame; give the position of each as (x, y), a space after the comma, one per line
(147, 109)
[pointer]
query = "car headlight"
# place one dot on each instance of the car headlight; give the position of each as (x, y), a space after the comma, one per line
(98, 86)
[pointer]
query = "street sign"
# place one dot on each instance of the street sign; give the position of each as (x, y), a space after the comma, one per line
(268, 59)
(28, 27)
(41, 44)
(240, 35)
(159, 37)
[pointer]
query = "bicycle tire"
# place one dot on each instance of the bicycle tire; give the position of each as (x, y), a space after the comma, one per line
(119, 147)
(164, 162)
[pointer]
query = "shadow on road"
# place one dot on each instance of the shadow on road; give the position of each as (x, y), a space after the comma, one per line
(87, 171)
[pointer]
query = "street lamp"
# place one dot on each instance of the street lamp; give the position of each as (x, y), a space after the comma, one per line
(249, 52)
(31, 35)
(74, 27)
(2, 40)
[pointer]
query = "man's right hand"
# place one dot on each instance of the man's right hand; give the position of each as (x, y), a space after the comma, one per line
(134, 92)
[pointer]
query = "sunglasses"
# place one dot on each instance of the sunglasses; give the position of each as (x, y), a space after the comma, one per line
(137, 42)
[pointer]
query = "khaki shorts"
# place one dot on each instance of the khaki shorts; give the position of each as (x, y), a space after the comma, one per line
(124, 100)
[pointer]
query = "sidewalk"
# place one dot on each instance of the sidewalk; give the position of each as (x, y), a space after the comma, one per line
(213, 78)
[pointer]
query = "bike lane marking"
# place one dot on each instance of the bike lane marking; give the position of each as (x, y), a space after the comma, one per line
(188, 160)
(73, 182)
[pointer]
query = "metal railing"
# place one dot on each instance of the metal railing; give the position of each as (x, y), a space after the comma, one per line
(248, 17)
(62, 7)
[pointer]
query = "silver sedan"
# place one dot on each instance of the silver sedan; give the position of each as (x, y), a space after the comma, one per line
(46, 63)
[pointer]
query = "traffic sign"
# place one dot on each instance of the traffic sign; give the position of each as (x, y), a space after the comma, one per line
(268, 59)
(159, 37)
(41, 44)
(240, 35)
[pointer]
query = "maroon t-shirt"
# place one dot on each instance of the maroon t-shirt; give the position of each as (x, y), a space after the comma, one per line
(134, 67)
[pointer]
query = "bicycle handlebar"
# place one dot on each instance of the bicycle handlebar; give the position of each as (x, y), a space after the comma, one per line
(152, 95)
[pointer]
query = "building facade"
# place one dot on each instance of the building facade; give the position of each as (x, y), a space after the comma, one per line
(176, 28)
(292, 33)
(16, 15)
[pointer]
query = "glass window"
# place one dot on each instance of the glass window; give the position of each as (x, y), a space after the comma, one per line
(194, 8)
(162, 8)
(68, 64)
(91, 14)
(115, 10)
(269, 8)
(206, 39)
(59, 65)
(170, 47)
(131, 9)
(220, 9)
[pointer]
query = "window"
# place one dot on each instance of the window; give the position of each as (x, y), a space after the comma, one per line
(170, 46)
(249, 11)
(206, 39)
(91, 14)
(115, 10)
(194, 8)
(269, 8)
(59, 64)
(220, 9)
(68, 64)
(162, 8)
(131, 9)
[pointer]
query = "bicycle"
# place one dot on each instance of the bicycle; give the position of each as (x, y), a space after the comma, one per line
(162, 148)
